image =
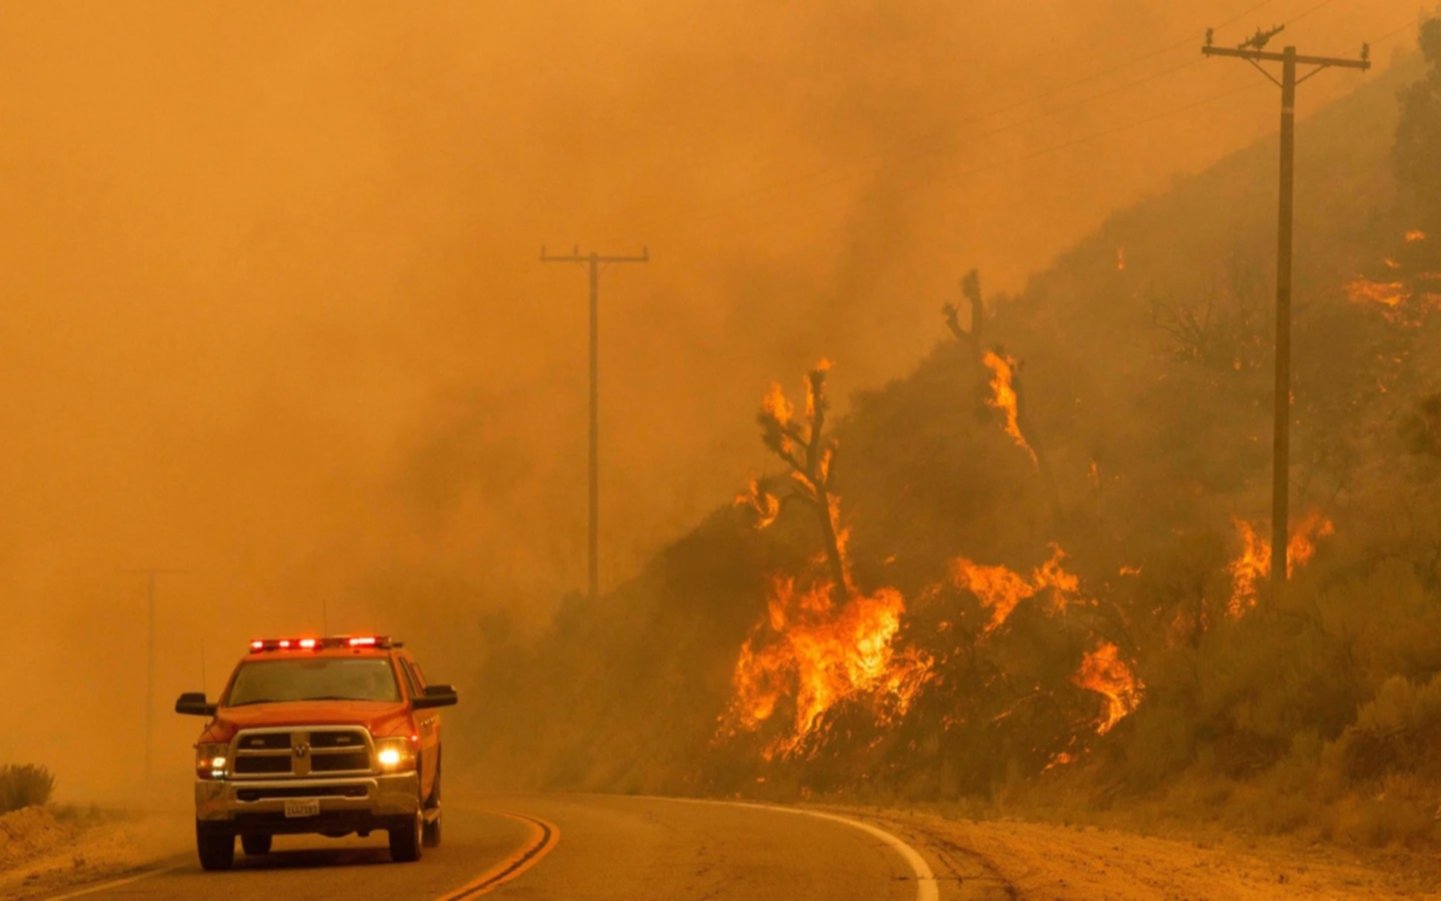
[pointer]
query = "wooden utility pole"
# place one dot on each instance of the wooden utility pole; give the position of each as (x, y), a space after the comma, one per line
(1252, 52)
(594, 260)
(150, 576)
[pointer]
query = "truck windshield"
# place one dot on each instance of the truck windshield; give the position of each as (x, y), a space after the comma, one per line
(313, 679)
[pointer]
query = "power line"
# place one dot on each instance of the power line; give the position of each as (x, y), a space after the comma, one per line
(738, 202)
(1046, 151)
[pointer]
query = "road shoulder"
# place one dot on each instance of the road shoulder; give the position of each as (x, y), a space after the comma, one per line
(1045, 860)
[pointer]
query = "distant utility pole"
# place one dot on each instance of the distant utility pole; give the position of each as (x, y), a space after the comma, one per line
(594, 260)
(1251, 50)
(150, 576)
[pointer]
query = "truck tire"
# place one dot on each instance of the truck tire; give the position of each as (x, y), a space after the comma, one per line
(430, 835)
(255, 843)
(216, 848)
(406, 837)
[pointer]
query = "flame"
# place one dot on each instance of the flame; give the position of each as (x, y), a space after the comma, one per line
(1254, 564)
(1391, 295)
(1104, 672)
(1000, 589)
(765, 505)
(1005, 399)
(775, 404)
(1301, 546)
(822, 366)
(1403, 296)
(1247, 570)
(1120, 259)
(822, 653)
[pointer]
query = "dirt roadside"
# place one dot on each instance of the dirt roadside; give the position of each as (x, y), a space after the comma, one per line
(1045, 861)
(42, 853)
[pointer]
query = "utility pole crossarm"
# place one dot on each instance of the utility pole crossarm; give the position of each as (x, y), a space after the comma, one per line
(1272, 57)
(577, 257)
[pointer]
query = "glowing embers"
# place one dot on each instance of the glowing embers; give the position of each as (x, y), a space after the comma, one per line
(1253, 564)
(1410, 288)
(817, 652)
(1104, 672)
(1005, 398)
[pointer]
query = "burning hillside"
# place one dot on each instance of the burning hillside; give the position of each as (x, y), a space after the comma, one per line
(825, 644)
(904, 605)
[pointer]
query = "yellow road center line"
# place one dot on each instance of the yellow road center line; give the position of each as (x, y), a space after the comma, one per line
(543, 838)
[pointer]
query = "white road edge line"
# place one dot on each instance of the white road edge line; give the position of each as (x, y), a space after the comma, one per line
(115, 883)
(926, 887)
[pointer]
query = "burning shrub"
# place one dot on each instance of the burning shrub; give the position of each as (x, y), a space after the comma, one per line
(24, 785)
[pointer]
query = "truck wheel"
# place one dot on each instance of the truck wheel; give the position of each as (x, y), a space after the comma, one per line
(405, 837)
(255, 844)
(216, 848)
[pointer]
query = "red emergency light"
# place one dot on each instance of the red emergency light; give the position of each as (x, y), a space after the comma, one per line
(258, 645)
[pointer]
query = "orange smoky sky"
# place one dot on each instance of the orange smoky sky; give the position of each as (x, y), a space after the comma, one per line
(273, 311)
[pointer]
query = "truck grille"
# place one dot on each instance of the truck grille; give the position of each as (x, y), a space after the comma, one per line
(246, 766)
(302, 751)
(334, 791)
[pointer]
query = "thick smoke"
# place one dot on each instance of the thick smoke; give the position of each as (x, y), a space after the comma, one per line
(274, 315)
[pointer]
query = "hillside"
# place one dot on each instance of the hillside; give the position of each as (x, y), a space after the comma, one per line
(1073, 613)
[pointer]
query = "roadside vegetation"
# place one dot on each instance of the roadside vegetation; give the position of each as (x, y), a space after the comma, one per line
(24, 785)
(1069, 506)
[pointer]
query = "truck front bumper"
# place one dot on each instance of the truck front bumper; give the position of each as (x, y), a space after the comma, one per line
(345, 804)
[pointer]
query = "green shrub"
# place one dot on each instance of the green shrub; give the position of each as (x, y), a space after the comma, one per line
(24, 785)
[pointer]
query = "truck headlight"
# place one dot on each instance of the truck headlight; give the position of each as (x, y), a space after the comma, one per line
(210, 760)
(393, 755)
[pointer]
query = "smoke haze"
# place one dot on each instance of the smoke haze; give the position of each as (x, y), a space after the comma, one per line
(274, 316)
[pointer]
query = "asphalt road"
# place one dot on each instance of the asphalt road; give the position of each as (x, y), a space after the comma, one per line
(543, 847)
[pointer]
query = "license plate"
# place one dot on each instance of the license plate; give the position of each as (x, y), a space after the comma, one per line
(306, 808)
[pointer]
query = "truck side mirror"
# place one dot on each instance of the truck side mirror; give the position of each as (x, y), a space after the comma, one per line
(435, 696)
(194, 704)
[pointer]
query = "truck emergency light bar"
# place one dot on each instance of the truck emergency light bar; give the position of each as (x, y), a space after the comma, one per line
(314, 644)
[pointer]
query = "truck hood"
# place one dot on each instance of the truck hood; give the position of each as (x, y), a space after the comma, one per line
(380, 717)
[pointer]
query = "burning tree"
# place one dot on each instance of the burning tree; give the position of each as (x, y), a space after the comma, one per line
(808, 451)
(1002, 376)
(822, 642)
